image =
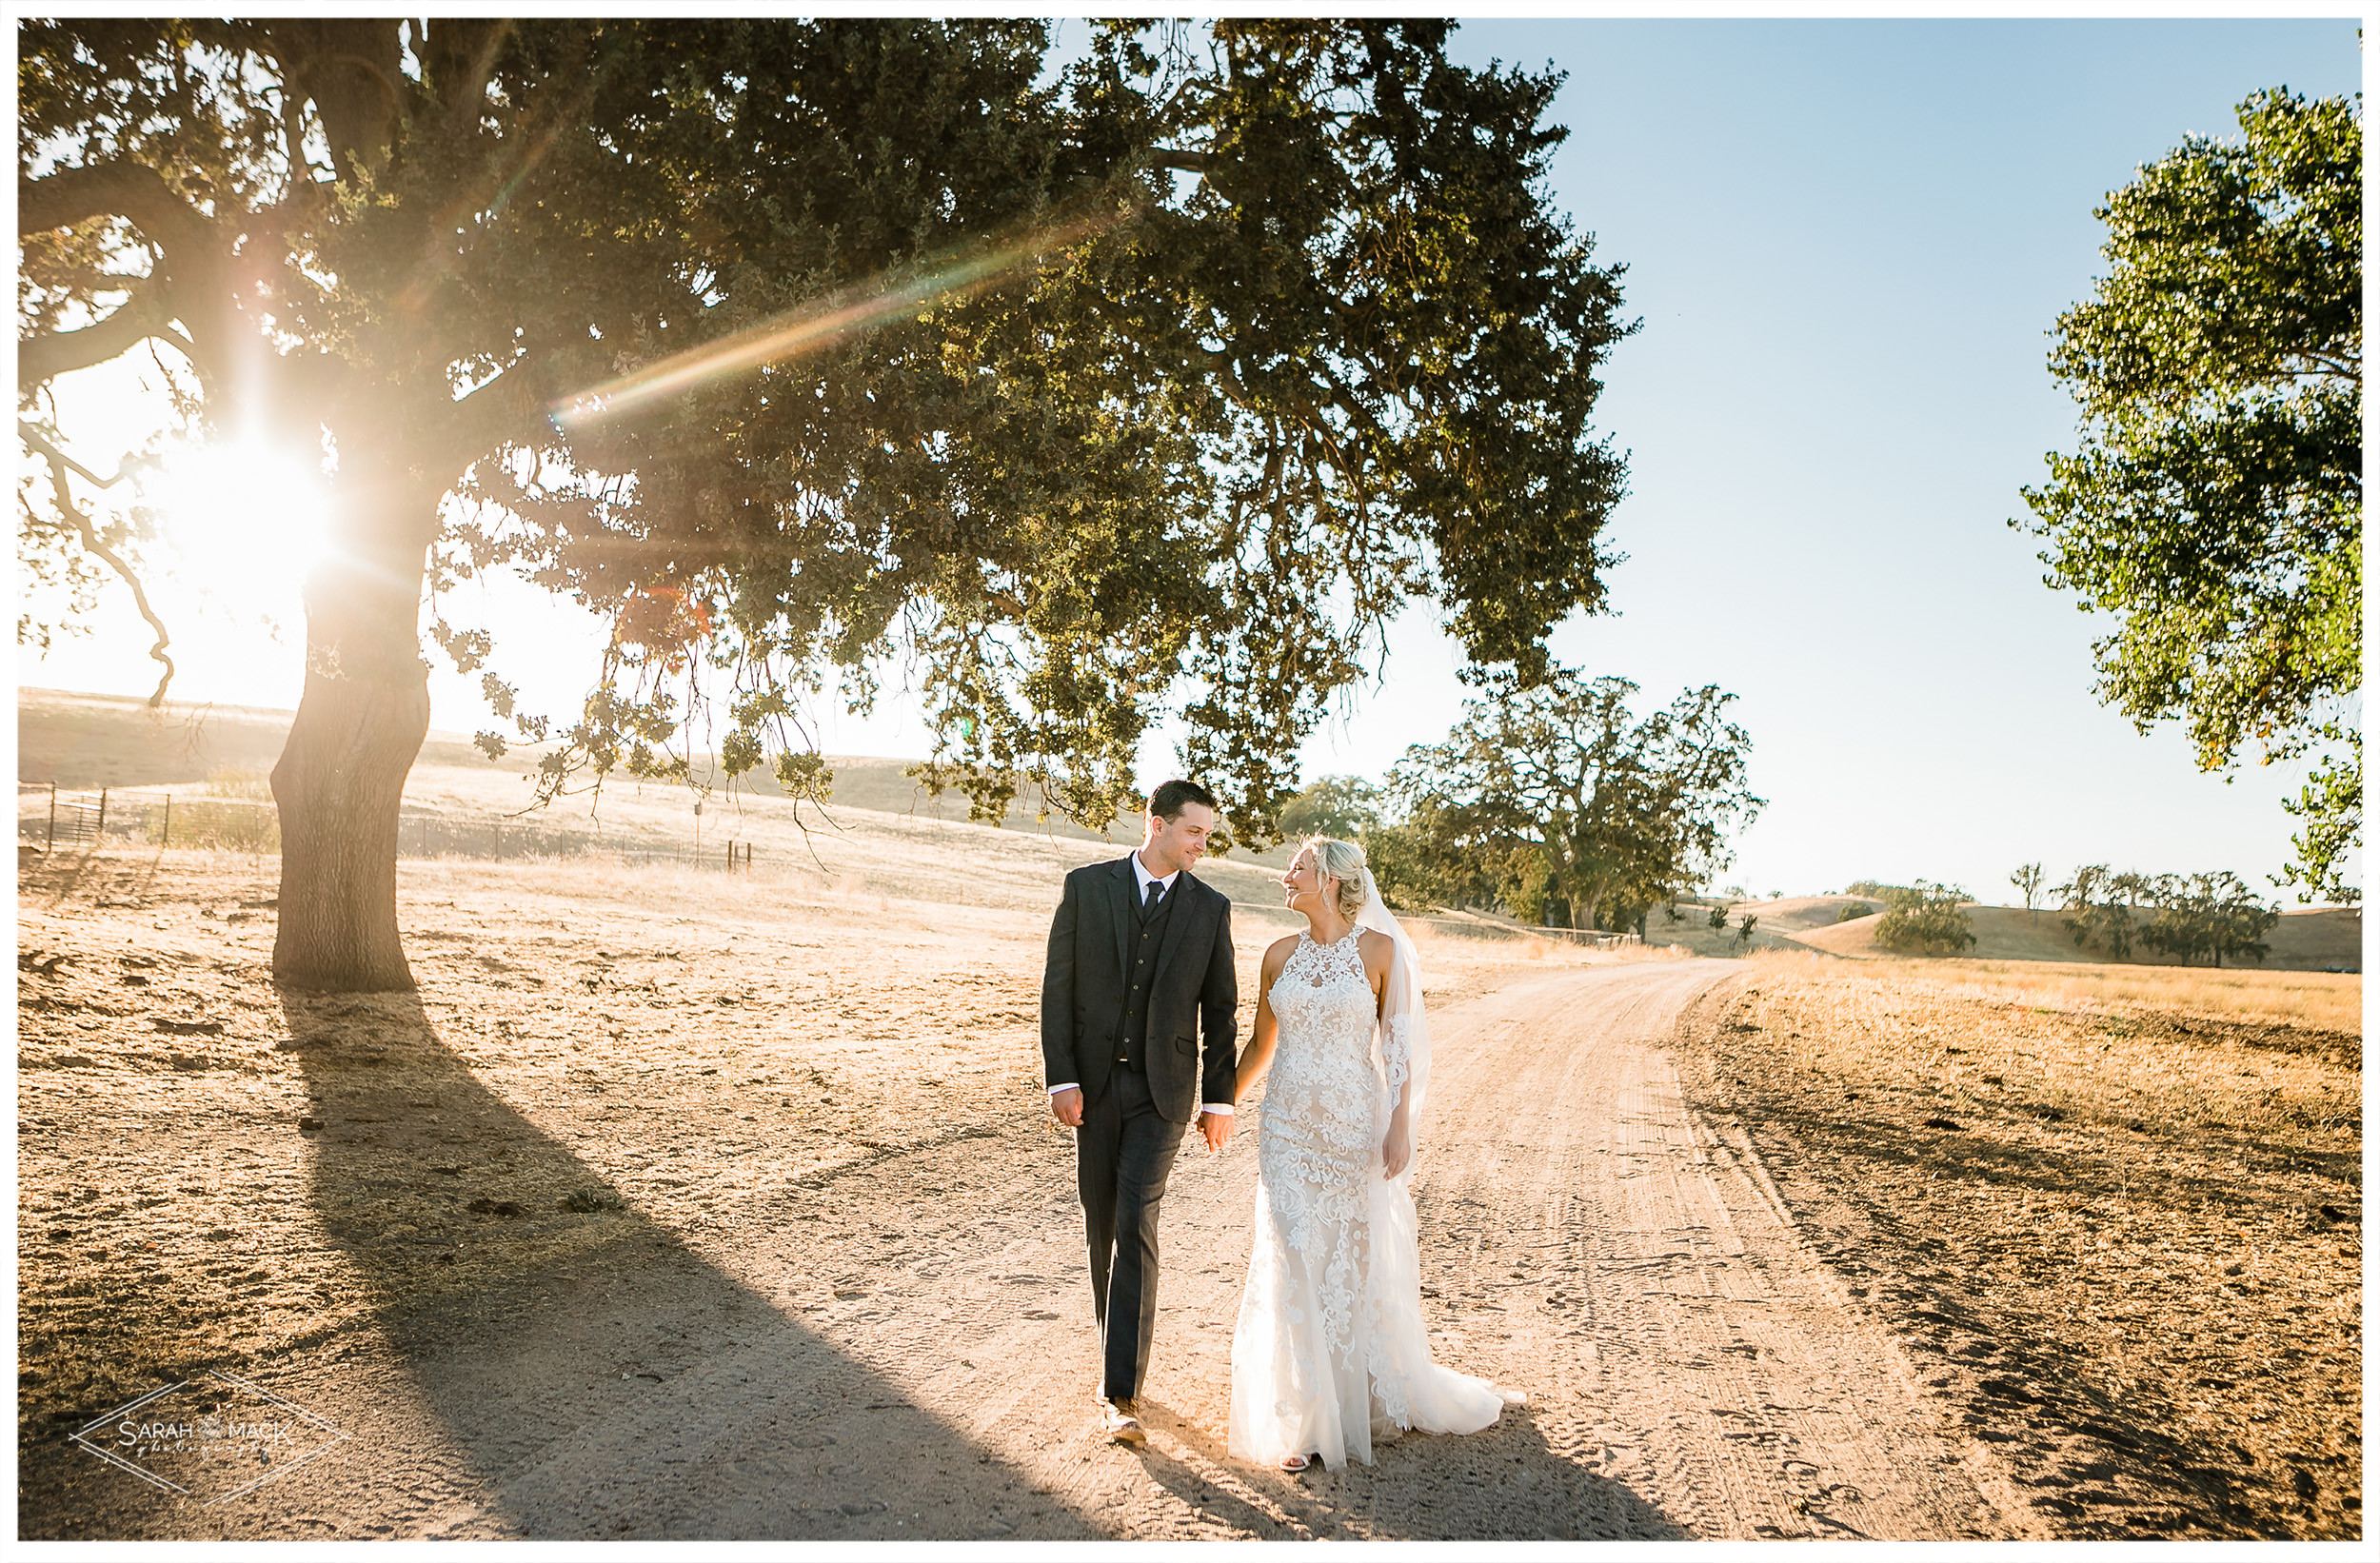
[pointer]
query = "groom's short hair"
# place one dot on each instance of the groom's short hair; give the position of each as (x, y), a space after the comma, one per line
(1166, 802)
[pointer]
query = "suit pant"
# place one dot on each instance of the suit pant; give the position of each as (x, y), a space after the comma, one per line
(1123, 1153)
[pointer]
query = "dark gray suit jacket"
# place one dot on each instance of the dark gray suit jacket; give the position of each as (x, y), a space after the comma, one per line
(1194, 1007)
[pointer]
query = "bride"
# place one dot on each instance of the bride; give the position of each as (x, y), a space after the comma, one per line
(1331, 1352)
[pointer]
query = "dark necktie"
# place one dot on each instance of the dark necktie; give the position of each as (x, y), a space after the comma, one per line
(1156, 893)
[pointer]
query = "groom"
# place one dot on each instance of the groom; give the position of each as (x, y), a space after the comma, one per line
(1139, 1012)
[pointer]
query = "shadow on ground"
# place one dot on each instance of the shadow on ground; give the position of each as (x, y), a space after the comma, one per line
(539, 1372)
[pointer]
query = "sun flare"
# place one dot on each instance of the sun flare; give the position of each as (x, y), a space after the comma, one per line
(246, 524)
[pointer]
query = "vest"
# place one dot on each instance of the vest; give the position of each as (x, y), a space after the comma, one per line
(1142, 940)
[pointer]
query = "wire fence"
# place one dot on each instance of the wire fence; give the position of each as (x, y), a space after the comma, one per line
(1487, 928)
(56, 819)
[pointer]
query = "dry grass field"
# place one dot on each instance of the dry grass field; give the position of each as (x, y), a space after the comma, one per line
(2117, 1212)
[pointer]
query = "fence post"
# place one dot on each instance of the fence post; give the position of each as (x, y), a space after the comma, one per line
(53, 818)
(99, 831)
(500, 840)
(165, 835)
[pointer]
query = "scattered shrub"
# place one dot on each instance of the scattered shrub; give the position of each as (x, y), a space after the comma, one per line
(227, 825)
(1925, 919)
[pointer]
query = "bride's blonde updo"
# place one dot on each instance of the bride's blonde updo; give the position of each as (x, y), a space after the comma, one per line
(1343, 861)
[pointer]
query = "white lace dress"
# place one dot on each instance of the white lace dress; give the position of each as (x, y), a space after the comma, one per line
(1331, 1352)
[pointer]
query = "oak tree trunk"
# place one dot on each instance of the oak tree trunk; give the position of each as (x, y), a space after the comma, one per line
(360, 725)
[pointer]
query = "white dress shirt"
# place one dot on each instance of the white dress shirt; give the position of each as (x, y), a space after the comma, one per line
(1141, 879)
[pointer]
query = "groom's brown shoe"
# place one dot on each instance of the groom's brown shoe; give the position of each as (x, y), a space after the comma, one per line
(1120, 1420)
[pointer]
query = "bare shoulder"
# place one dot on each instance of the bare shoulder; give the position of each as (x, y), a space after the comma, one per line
(1276, 955)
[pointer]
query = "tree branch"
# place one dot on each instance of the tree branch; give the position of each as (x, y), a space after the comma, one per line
(132, 190)
(60, 465)
(54, 353)
(494, 414)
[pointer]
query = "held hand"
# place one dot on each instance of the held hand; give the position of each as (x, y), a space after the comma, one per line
(1066, 1106)
(1217, 1128)
(1397, 1149)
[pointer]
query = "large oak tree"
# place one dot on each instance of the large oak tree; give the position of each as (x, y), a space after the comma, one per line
(1168, 373)
(1557, 802)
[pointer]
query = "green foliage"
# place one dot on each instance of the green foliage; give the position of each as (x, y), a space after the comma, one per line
(2331, 804)
(1926, 918)
(1415, 866)
(1553, 803)
(1853, 913)
(1718, 917)
(1343, 806)
(2099, 905)
(1871, 890)
(2188, 917)
(2214, 505)
(806, 348)
(2209, 914)
(1744, 929)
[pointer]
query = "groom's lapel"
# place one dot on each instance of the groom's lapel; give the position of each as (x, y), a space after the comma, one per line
(1120, 911)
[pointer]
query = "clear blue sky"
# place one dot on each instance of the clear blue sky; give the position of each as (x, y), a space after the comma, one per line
(1847, 241)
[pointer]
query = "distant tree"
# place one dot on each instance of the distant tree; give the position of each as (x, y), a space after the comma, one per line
(1572, 803)
(795, 345)
(1343, 806)
(2028, 882)
(1926, 918)
(2100, 906)
(2215, 503)
(1744, 929)
(1854, 912)
(1718, 915)
(2209, 914)
(1871, 889)
(1415, 868)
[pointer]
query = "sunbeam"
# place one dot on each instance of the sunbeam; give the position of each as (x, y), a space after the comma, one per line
(830, 320)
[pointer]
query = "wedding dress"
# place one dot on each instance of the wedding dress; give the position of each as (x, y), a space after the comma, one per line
(1331, 1352)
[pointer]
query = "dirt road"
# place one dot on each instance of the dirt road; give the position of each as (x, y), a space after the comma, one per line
(900, 1347)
